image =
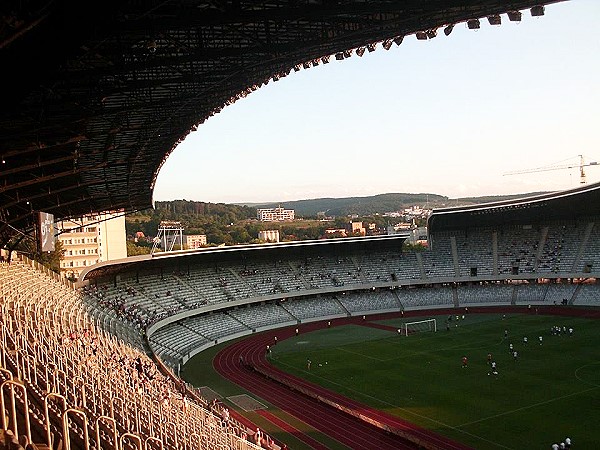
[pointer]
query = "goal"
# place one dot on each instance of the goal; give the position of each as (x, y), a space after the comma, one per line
(418, 326)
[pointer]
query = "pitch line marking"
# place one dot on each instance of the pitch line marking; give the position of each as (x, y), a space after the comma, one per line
(360, 354)
(534, 405)
(408, 411)
(438, 350)
(581, 379)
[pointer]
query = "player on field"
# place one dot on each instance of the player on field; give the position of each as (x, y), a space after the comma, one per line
(464, 362)
(493, 368)
(541, 339)
(525, 340)
(511, 347)
(489, 359)
(515, 355)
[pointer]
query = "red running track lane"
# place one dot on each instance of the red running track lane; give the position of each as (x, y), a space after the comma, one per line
(291, 430)
(332, 422)
(340, 426)
(379, 326)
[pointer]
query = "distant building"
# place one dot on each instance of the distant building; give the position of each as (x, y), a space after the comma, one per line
(91, 239)
(269, 235)
(356, 228)
(336, 232)
(274, 214)
(193, 241)
(419, 236)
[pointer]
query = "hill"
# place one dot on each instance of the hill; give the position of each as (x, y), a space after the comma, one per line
(379, 203)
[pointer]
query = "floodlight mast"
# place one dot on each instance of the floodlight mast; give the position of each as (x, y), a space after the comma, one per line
(581, 165)
(169, 232)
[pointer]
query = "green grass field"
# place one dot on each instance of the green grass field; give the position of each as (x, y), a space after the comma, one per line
(550, 392)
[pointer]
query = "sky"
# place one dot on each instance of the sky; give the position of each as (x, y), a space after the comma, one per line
(448, 116)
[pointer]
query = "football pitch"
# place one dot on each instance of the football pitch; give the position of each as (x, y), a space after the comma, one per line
(550, 391)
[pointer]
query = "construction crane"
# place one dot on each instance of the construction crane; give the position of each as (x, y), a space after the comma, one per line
(581, 165)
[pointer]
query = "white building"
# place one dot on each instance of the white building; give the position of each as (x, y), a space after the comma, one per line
(193, 241)
(91, 239)
(269, 235)
(274, 214)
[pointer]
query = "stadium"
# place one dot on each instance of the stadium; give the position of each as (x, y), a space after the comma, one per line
(102, 364)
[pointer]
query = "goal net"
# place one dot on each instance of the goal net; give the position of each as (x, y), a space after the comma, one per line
(418, 326)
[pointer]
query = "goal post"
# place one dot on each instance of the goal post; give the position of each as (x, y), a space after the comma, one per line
(418, 326)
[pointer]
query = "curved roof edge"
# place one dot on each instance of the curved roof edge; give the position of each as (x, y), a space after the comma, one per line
(567, 204)
(233, 251)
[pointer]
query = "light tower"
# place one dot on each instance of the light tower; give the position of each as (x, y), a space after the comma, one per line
(168, 233)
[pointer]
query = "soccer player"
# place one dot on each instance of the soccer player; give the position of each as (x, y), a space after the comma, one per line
(464, 362)
(567, 442)
(570, 331)
(525, 340)
(308, 363)
(489, 359)
(541, 339)
(494, 369)
(296, 331)
(515, 355)
(505, 333)
(510, 347)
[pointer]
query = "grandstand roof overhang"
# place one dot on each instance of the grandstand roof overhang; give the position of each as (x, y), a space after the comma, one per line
(96, 95)
(570, 204)
(242, 253)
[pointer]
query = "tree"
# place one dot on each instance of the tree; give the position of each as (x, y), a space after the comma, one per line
(51, 259)
(135, 250)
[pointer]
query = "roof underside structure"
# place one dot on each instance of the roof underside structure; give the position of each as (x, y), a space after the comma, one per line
(96, 95)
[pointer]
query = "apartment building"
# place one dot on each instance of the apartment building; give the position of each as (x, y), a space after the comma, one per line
(274, 214)
(193, 241)
(91, 239)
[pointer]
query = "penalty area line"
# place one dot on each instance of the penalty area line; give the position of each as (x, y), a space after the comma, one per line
(523, 408)
(360, 354)
(405, 410)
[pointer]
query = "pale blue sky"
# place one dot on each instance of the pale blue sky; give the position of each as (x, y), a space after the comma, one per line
(448, 116)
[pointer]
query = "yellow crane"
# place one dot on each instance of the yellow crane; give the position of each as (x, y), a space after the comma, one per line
(581, 165)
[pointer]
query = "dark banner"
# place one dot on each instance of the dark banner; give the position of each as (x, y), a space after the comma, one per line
(46, 231)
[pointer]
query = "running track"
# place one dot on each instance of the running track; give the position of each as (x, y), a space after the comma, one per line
(345, 428)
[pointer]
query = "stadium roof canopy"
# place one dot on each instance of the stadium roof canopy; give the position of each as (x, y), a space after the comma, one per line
(95, 95)
(252, 252)
(570, 204)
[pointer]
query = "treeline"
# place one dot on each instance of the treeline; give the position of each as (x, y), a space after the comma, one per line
(382, 203)
(225, 224)
(362, 206)
(196, 217)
